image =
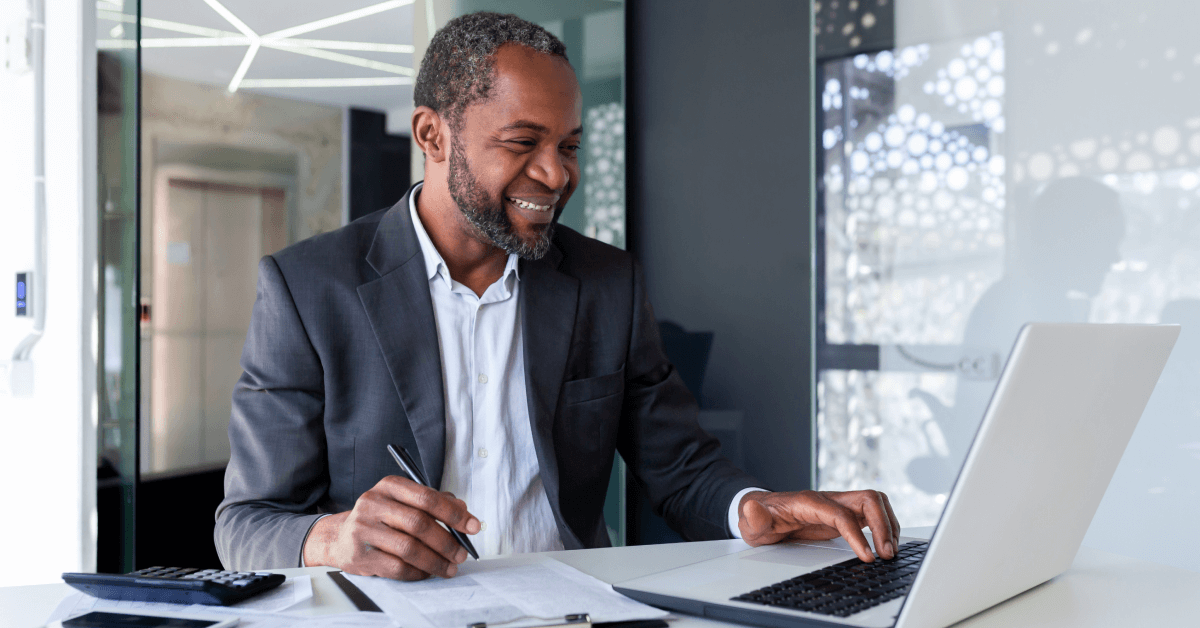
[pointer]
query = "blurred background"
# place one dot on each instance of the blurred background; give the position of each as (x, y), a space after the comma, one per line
(845, 211)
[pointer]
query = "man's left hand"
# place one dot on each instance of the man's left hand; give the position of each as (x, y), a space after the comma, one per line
(766, 518)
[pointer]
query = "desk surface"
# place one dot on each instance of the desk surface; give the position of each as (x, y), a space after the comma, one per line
(1100, 589)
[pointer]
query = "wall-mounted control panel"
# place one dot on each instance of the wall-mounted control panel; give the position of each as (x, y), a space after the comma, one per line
(23, 280)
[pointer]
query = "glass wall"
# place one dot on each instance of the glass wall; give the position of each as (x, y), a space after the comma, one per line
(228, 130)
(117, 308)
(243, 152)
(1005, 162)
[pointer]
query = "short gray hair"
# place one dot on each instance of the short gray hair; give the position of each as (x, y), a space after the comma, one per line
(458, 66)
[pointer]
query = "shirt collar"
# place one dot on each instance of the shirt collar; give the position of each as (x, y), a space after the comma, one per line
(435, 264)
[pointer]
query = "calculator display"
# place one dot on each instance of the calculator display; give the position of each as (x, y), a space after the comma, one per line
(96, 619)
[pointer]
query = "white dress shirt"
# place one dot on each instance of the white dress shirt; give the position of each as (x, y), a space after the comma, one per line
(490, 461)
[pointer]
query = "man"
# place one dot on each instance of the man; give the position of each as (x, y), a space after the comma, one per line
(510, 356)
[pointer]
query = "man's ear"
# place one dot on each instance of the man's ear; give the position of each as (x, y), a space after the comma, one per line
(431, 133)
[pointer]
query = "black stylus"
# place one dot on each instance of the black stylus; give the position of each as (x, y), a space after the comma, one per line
(410, 468)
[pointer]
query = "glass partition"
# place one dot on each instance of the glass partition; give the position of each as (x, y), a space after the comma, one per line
(117, 310)
(1006, 162)
(243, 141)
(259, 124)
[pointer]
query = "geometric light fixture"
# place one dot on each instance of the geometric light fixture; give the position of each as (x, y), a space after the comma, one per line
(286, 40)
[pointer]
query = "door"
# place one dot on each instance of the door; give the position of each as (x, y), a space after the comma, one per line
(208, 239)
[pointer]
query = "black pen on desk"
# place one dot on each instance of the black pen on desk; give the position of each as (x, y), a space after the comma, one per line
(410, 468)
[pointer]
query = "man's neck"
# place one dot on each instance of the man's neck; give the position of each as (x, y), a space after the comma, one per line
(473, 263)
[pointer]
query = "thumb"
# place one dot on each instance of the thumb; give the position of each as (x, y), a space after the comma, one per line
(756, 520)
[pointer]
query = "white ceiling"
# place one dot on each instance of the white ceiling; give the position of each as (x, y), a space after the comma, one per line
(209, 41)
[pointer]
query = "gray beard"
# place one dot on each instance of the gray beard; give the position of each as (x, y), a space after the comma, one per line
(488, 217)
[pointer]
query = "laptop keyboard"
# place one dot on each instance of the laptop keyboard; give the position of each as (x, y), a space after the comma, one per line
(846, 588)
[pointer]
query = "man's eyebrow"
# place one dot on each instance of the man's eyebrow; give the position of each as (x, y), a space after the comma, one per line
(525, 124)
(534, 126)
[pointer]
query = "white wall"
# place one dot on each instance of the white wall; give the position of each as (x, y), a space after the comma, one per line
(47, 441)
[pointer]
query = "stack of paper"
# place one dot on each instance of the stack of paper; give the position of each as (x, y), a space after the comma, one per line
(516, 591)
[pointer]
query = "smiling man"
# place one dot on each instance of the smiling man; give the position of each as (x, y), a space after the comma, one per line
(512, 357)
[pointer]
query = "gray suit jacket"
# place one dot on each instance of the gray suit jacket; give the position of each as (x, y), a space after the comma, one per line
(342, 358)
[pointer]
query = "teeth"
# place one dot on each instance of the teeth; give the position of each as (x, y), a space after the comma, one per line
(528, 205)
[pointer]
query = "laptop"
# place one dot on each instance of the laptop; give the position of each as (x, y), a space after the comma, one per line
(1066, 405)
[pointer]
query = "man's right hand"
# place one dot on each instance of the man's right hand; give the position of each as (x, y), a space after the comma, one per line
(393, 532)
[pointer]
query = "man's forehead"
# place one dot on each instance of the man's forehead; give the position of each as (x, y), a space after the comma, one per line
(531, 90)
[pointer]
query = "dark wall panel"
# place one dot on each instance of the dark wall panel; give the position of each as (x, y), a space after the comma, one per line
(719, 205)
(379, 163)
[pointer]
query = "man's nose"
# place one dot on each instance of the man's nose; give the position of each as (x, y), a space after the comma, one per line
(549, 168)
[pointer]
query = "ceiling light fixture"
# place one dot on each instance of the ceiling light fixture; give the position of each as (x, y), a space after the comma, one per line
(255, 43)
(352, 45)
(338, 19)
(194, 42)
(334, 56)
(278, 40)
(167, 25)
(332, 82)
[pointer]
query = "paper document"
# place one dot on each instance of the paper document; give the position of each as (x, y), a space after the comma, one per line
(292, 592)
(521, 590)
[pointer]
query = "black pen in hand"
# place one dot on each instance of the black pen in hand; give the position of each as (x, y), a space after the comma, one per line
(410, 468)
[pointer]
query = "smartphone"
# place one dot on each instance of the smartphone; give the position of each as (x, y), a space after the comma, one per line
(137, 619)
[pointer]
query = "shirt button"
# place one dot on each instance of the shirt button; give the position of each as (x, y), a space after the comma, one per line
(482, 452)
(483, 526)
(482, 378)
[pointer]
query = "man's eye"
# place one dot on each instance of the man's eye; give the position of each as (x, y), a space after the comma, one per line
(523, 142)
(574, 148)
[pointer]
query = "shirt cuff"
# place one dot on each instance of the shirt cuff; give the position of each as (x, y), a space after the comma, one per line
(326, 515)
(733, 510)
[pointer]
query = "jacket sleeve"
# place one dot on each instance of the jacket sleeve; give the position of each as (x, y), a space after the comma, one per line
(678, 464)
(278, 473)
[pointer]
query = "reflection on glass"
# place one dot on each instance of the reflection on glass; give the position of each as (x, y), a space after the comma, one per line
(243, 134)
(116, 165)
(914, 200)
(1061, 185)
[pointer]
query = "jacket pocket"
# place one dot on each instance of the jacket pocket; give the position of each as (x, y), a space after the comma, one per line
(587, 389)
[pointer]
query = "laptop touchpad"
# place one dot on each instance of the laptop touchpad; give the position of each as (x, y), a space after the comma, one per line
(799, 555)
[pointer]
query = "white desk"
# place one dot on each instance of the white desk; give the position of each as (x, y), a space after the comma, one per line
(1100, 589)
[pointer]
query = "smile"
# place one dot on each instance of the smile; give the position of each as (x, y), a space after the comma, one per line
(527, 205)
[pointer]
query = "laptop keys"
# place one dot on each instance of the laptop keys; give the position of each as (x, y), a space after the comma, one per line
(846, 588)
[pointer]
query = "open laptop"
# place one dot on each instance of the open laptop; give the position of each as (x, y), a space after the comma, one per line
(1066, 405)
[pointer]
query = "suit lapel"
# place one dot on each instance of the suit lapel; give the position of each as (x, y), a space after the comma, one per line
(548, 302)
(400, 309)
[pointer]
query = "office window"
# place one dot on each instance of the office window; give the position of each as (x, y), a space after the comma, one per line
(1006, 162)
(914, 195)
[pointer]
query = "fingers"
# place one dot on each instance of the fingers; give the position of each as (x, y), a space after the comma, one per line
(410, 534)
(846, 522)
(410, 550)
(395, 531)
(376, 562)
(877, 518)
(892, 516)
(444, 507)
(757, 524)
(772, 517)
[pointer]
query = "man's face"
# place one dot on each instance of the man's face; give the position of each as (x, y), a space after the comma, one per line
(513, 162)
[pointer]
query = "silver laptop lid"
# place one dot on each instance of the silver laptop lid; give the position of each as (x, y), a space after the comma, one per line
(1050, 440)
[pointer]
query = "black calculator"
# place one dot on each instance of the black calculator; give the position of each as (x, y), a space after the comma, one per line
(176, 585)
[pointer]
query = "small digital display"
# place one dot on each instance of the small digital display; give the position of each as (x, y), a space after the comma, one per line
(22, 294)
(97, 619)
